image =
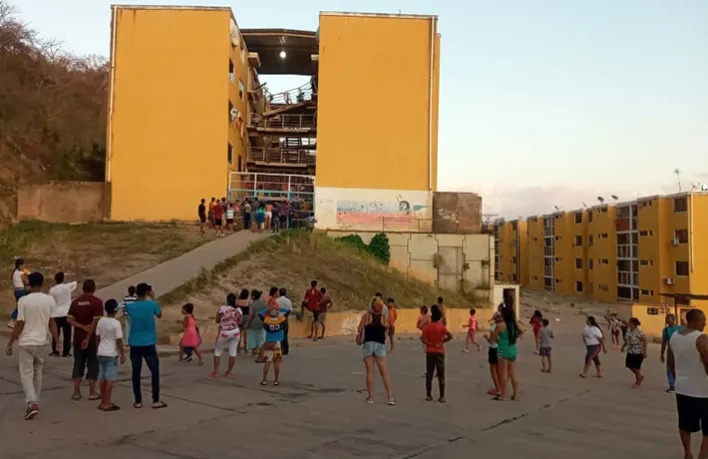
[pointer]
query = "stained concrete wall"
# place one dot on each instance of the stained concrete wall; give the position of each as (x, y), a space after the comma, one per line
(62, 202)
(454, 262)
(457, 213)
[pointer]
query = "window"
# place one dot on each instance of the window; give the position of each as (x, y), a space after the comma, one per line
(559, 259)
(682, 268)
(645, 233)
(578, 241)
(647, 292)
(602, 210)
(533, 219)
(578, 286)
(240, 163)
(590, 240)
(646, 262)
(514, 226)
(603, 261)
(602, 236)
(680, 204)
(240, 89)
(681, 235)
(232, 71)
(230, 154)
(578, 217)
(589, 216)
(513, 260)
(591, 263)
(558, 281)
(578, 263)
(535, 278)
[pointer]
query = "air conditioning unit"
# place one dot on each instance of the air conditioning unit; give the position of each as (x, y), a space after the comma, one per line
(669, 281)
(234, 113)
(675, 242)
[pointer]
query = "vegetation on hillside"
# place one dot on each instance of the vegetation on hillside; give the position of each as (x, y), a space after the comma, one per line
(52, 110)
(379, 246)
(294, 258)
(105, 252)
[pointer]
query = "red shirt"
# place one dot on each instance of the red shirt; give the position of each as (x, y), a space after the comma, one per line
(435, 333)
(218, 211)
(313, 298)
(84, 309)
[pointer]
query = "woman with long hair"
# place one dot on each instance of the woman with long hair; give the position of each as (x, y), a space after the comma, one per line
(635, 342)
(374, 326)
(21, 286)
(505, 335)
(594, 343)
(244, 303)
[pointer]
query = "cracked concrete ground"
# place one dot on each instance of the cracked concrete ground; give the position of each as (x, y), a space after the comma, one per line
(319, 410)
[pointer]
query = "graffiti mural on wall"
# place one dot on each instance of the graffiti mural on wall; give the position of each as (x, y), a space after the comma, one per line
(398, 213)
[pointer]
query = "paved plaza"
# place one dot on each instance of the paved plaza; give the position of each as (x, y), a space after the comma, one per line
(319, 410)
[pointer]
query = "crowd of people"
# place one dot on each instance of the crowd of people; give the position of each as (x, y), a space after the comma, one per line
(255, 215)
(250, 324)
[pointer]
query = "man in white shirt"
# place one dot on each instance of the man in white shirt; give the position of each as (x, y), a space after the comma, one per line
(688, 364)
(31, 333)
(284, 304)
(61, 293)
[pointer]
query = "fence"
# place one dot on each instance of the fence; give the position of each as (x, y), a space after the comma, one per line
(282, 155)
(276, 187)
(301, 94)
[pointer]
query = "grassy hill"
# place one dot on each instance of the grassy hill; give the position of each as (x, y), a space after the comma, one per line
(292, 260)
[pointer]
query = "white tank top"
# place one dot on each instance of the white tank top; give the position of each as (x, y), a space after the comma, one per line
(691, 379)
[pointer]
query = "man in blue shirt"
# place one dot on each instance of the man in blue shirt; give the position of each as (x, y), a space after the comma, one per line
(274, 322)
(143, 342)
(666, 334)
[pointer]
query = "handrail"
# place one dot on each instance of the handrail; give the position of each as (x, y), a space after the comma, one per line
(292, 96)
(287, 122)
(281, 155)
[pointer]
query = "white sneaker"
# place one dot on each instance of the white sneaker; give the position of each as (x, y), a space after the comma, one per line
(11, 323)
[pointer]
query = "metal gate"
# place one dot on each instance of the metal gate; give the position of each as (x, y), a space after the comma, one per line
(450, 268)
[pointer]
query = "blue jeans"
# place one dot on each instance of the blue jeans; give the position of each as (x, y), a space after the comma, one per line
(107, 368)
(149, 353)
(670, 377)
(19, 293)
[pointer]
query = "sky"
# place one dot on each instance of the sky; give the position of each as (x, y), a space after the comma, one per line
(543, 103)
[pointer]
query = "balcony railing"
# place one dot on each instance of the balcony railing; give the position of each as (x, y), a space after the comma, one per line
(281, 155)
(292, 96)
(287, 122)
(287, 187)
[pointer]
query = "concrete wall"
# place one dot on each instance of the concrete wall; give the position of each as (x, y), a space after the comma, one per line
(457, 213)
(68, 202)
(451, 261)
(373, 210)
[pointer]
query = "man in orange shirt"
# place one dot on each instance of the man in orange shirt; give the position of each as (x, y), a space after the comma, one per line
(435, 335)
(392, 317)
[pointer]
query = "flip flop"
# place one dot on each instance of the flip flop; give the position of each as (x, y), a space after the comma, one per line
(137, 405)
(113, 407)
(276, 383)
(160, 405)
(264, 383)
(76, 397)
(94, 397)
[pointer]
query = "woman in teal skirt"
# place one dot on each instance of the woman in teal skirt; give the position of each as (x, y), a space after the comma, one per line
(505, 335)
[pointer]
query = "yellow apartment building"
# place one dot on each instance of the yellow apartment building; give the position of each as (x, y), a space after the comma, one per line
(190, 116)
(510, 240)
(535, 261)
(637, 252)
(377, 121)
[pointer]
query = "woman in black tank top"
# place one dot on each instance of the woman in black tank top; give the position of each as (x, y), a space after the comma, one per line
(374, 327)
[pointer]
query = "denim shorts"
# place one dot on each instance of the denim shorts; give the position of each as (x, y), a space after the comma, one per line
(372, 348)
(107, 368)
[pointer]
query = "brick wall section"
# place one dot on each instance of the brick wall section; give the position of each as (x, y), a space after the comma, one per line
(457, 213)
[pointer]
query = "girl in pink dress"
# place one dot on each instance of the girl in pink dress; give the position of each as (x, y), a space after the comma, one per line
(190, 340)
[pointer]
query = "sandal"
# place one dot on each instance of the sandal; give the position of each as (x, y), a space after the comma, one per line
(76, 397)
(276, 383)
(159, 405)
(137, 405)
(515, 398)
(428, 398)
(582, 376)
(94, 397)
(499, 398)
(442, 400)
(391, 402)
(113, 407)
(264, 383)
(370, 401)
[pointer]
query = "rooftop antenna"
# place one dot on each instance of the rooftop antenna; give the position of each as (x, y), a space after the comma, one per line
(614, 196)
(557, 208)
(601, 199)
(694, 186)
(584, 205)
(678, 178)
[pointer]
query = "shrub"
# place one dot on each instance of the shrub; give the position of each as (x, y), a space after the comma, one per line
(379, 247)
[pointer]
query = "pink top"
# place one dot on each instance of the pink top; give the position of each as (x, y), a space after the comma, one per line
(191, 335)
(230, 317)
(472, 323)
(423, 320)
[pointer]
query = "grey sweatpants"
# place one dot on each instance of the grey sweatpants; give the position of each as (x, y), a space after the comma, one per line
(31, 362)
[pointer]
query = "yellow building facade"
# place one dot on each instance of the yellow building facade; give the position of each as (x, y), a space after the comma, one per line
(377, 124)
(510, 249)
(189, 117)
(177, 74)
(637, 252)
